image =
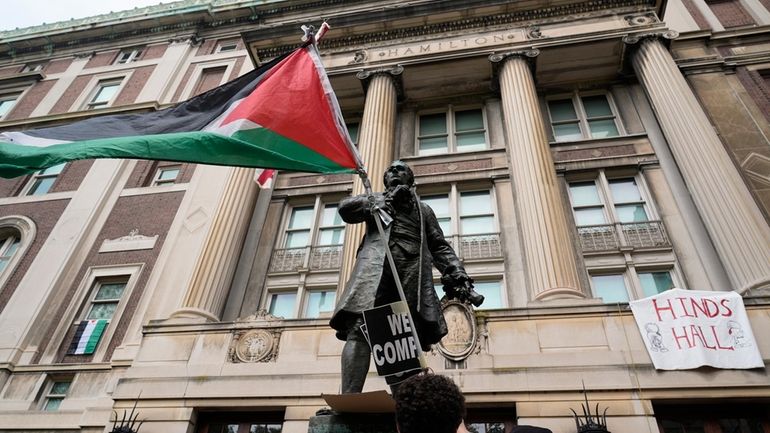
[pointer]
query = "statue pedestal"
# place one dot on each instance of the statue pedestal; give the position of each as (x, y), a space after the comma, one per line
(369, 412)
(353, 423)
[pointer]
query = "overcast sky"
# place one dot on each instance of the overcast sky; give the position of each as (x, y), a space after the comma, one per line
(26, 13)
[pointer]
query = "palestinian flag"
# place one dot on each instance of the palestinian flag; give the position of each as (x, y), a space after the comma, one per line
(87, 336)
(283, 115)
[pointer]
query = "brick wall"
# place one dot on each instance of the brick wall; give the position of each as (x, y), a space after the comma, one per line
(144, 172)
(730, 13)
(134, 86)
(70, 95)
(72, 175)
(45, 214)
(696, 14)
(10, 70)
(102, 59)
(151, 214)
(154, 52)
(31, 100)
(183, 83)
(57, 66)
(207, 47)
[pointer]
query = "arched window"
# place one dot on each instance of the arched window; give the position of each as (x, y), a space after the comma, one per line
(16, 235)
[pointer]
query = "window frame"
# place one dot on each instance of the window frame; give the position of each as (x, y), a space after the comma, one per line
(601, 180)
(47, 391)
(80, 302)
(157, 179)
(13, 97)
(455, 216)
(225, 43)
(318, 204)
(134, 55)
(630, 274)
(582, 118)
(198, 68)
(101, 84)
(27, 190)
(451, 129)
(306, 302)
(26, 230)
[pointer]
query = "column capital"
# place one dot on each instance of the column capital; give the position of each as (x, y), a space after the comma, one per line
(499, 59)
(635, 38)
(393, 72)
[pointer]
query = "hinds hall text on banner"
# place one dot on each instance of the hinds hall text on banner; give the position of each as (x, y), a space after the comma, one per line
(689, 328)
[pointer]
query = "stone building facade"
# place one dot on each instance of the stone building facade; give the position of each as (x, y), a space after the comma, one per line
(579, 155)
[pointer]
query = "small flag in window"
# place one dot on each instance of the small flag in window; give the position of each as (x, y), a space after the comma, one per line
(87, 337)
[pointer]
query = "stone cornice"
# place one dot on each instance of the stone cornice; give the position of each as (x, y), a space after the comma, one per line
(563, 13)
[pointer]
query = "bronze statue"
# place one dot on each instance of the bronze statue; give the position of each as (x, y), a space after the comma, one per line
(417, 244)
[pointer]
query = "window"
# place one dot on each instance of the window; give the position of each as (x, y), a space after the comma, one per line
(33, 67)
(583, 117)
(107, 295)
(6, 104)
(225, 46)
(612, 212)
(319, 302)
(209, 79)
(42, 181)
(353, 130)
(129, 55)
(468, 221)
(633, 284)
(240, 422)
(9, 245)
(56, 392)
(283, 304)
(312, 238)
(166, 175)
(491, 289)
(104, 94)
(452, 131)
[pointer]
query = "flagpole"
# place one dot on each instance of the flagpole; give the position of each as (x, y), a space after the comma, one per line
(311, 39)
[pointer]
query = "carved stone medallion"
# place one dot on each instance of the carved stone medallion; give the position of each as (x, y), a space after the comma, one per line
(256, 345)
(462, 337)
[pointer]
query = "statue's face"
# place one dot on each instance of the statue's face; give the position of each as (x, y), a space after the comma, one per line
(398, 174)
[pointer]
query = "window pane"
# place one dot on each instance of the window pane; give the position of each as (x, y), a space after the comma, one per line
(331, 236)
(468, 120)
(330, 216)
(589, 217)
(567, 132)
(655, 282)
(6, 105)
(631, 213)
(60, 388)
(475, 203)
(625, 190)
(297, 239)
(433, 146)
(584, 194)
(477, 225)
(446, 226)
(596, 106)
(603, 128)
(103, 310)
(439, 204)
(106, 92)
(301, 217)
(42, 186)
(3, 263)
(353, 131)
(562, 110)
(168, 174)
(55, 169)
(433, 124)
(52, 404)
(611, 288)
(319, 302)
(12, 246)
(110, 291)
(493, 296)
(282, 305)
(469, 141)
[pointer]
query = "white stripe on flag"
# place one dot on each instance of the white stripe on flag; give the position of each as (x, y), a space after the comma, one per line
(85, 337)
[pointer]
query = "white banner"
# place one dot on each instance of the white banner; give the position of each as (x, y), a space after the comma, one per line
(689, 328)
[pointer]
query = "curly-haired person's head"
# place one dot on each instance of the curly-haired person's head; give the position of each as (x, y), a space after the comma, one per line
(429, 403)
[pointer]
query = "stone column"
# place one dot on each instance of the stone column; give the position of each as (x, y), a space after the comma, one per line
(207, 293)
(376, 143)
(545, 234)
(732, 219)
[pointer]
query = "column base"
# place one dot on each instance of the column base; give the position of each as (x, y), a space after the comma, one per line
(192, 315)
(560, 293)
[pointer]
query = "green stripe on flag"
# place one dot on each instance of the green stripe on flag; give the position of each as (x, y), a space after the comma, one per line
(258, 147)
(95, 336)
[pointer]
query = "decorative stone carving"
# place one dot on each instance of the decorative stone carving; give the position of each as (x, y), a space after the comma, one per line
(462, 338)
(640, 20)
(131, 242)
(499, 57)
(634, 38)
(255, 345)
(533, 32)
(393, 71)
(360, 56)
(85, 55)
(259, 315)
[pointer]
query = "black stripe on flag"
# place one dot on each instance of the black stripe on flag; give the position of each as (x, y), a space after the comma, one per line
(76, 337)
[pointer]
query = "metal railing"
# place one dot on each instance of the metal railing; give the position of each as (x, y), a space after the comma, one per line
(317, 258)
(609, 237)
(478, 246)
